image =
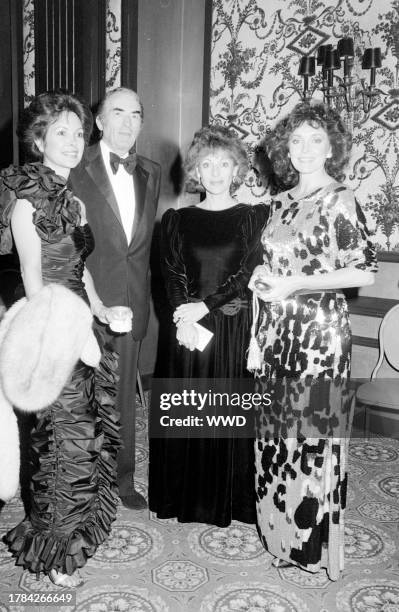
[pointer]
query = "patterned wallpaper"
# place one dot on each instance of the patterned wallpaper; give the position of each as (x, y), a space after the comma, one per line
(28, 35)
(113, 45)
(256, 46)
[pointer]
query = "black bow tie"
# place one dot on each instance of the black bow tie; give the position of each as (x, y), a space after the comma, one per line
(128, 162)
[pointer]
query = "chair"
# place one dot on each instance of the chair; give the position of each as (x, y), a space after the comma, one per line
(382, 391)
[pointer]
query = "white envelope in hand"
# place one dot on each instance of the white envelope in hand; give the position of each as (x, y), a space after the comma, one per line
(204, 336)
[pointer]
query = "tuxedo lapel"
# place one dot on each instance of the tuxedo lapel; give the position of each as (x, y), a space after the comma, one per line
(140, 178)
(98, 173)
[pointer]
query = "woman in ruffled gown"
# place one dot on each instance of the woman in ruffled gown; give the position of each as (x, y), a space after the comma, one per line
(315, 243)
(208, 252)
(74, 441)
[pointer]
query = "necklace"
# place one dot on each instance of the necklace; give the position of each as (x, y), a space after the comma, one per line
(306, 196)
(310, 195)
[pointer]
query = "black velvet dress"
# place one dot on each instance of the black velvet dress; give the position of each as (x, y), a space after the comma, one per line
(209, 256)
(75, 439)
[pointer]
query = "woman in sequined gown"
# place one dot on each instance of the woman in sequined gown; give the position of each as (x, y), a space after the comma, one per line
(74, 441)
(208, 254)
(315, 243)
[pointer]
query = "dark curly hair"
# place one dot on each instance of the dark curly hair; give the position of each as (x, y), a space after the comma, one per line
(316, 115)
(44, 109)
(208, 139)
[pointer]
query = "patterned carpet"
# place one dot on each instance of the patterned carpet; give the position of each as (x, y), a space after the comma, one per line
(149, 565)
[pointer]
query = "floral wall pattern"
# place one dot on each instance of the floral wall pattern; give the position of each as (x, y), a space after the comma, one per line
(28, 35)
(113, 44)
(256, 47)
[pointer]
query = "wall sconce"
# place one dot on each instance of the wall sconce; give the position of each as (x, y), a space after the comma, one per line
(346, 50)
(371, 61)
(348, 95)
(307, 68)
(331, 62)
(321, 53)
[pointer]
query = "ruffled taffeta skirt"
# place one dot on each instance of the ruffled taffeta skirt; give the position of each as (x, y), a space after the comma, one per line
(73, 488)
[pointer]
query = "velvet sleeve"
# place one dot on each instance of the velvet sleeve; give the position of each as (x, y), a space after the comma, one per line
(172, 263)
(237, 283)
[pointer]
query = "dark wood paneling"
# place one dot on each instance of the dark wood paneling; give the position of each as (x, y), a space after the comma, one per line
(363, 341)
(70, 47)
(90, 35)
(370, 306)
(388, 256)
(11, 78)
(129, 45)
(17, 69)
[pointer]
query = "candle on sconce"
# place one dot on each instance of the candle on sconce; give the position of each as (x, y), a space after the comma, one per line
(321, 54)
(371, 61)
(346, 51)
(345, 47)
(331, 62)
(307, 68)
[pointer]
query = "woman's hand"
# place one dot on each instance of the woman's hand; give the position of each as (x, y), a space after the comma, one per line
(187, 335)
(271, 288)
(190, 313)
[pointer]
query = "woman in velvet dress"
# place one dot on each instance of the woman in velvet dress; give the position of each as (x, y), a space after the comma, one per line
(74, 441)
(208, 253)
(315, 243)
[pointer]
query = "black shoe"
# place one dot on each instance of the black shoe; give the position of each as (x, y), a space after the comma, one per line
(134, 501)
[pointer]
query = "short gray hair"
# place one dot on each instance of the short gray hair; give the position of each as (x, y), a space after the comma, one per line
(111, 93)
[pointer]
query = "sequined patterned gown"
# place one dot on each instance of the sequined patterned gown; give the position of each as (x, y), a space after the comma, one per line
(301, 445)
(74, 440)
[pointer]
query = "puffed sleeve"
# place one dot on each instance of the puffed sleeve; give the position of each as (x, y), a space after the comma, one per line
(354, 246)
(236, 284)
(173, 267)
(56, 211)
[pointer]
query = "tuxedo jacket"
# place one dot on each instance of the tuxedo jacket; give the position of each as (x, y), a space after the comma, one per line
(120, 267)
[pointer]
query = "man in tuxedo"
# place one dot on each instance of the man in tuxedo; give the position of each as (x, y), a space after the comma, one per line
(120, 191)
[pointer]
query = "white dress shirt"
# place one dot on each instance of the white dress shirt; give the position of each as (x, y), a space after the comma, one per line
(123, 186)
